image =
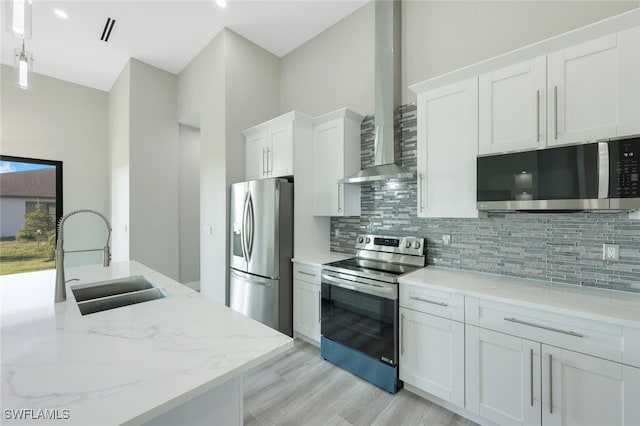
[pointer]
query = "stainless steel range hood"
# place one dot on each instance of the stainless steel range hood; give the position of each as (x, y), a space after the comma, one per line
(387, 98)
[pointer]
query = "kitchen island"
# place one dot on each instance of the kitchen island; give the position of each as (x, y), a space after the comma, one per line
(175, 360)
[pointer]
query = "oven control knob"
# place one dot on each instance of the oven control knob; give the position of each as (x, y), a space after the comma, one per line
(417, 245)
(360, 240)
(408, 244)
(368, 240)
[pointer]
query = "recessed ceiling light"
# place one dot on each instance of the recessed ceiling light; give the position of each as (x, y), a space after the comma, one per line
(60, 13)
(221, 3)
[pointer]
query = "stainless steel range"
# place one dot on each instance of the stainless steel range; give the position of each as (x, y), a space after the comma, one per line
(360, 306)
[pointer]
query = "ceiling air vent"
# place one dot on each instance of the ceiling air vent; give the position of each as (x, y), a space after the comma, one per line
(106, 32)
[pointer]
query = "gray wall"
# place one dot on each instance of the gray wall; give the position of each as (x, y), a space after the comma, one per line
(153, 169)
(189, 199)
(144, 167)
(231, 85)
(564, 248)
(66, 122)
(119, 114)
(335, 69)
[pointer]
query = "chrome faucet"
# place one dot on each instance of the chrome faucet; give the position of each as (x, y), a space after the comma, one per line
(61, 292)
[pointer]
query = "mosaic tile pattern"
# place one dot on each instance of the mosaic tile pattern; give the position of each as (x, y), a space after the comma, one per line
(557, 247)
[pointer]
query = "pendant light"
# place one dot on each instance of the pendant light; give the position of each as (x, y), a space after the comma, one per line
(18, 18)
(23, 69)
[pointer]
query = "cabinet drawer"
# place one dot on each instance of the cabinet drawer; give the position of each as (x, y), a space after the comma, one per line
(306, 273)
(565, 331)
(431, 301)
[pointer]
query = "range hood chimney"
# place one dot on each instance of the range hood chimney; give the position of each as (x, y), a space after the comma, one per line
(387, 98)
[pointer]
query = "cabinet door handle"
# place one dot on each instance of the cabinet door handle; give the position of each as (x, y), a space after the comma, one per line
(544, 327)
(269, 159)
(307, 273)
(550, 384)
(263, 154)
(433, 302)
(420, 189)
(531, 375)
(537, 115)
(555, 111)
(401, 334)
(339, 197)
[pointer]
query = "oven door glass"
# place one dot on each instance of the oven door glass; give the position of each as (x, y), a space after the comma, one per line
(360, 321)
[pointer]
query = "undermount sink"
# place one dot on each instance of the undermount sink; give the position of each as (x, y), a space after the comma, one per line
(105, 295)
(110, 288)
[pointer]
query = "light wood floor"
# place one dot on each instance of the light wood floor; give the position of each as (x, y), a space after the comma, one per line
(300, 388)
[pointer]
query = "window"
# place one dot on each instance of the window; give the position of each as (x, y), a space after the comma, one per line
(30, 208)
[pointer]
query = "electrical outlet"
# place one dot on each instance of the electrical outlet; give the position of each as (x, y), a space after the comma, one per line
(336, 233)
(446, 239)
(610, 252)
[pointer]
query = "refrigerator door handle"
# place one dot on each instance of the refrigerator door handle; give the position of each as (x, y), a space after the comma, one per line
(250, 227)
(245, 229)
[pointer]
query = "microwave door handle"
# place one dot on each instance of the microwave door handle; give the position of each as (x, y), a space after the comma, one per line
(603, 169)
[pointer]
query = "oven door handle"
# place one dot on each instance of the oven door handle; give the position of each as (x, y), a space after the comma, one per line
(386, 292)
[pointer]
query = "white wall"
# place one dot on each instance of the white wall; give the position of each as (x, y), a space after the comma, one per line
(335, 69)
(69, 123)
(189, 195)
(153, 169)
(119, 112)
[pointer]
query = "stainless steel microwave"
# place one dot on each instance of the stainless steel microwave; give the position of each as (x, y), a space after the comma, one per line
(601, 175)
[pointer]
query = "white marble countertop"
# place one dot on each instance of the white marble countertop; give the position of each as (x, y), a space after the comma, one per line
(320, 259)
(125, 365)
(616, 307)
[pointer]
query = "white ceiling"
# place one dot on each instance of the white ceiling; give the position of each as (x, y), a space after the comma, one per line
(167, 34)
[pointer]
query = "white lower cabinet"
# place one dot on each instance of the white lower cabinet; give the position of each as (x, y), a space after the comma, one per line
(579, 389)
(432, 354)
(306, 302)
(502, 375)
(515, 381)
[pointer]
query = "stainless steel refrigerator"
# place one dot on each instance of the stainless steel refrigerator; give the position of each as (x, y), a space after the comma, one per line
(261, 246)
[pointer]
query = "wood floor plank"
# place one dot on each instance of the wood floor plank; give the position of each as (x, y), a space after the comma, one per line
(301, 388)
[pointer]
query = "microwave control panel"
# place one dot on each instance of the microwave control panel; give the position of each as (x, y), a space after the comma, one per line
(624, 159)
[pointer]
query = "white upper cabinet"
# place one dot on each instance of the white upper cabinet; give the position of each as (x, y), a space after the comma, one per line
(336, 154)
(446, 150)
(269, 146)
(629, 81)
(594, 90)
(512, 108)
(583, 92)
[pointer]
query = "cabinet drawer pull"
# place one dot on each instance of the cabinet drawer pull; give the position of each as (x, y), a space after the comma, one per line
(544, 327)
(307, 273)
(433, 302)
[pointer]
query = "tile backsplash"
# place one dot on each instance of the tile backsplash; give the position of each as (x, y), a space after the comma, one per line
(558, 247)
